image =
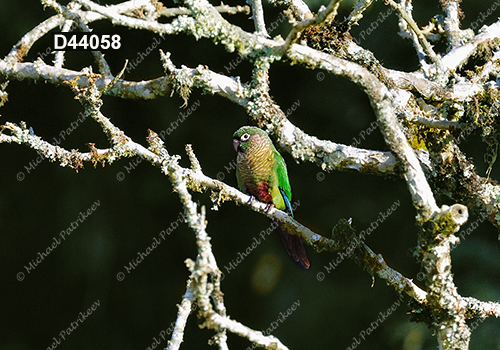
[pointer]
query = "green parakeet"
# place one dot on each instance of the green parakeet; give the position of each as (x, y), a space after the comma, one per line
(261, 172)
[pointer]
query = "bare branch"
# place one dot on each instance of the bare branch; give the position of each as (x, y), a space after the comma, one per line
(417, 82)
(125, 89)
(59, 56)
(22, 48)
(114, 14)
(74, 17)
(448, 308)
(180, 323)
(72, 159)
(258, 17)
(352, 244)
(456, 36)
(414, 27)
(483, 309)
(214, 320)
(357, 12)
(407, 32)
(178, 11)
(437, 124)
(460, 55)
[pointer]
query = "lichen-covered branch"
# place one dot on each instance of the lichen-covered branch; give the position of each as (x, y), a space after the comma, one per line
(461, 54)
(381, 100)
(447, 306)
(416, 30)
(258, 17)
(197, 181)
(456, 37)
(72, 159)
(481, 308)
(180, 323)
(328, 13)
(351, 243)
(357, 12)
(178, 11)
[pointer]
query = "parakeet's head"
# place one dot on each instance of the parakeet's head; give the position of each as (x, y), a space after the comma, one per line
(246, 136)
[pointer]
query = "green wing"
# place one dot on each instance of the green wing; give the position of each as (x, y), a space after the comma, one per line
(283, 182)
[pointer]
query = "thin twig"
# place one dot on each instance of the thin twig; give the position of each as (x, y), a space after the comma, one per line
(437, 124)
(214, 320)
(407, 33)
(115, 79)
(73, 16)
(357, 11)
(178, 11)
(180, 323)
(423, 41)
(68, 25)
(483, 309)
(118, 18)
(258, 17)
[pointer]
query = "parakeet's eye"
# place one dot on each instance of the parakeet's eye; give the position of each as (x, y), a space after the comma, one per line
(245, 137)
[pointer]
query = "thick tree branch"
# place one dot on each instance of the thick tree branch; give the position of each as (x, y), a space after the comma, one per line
(456, 36)
(457, 57)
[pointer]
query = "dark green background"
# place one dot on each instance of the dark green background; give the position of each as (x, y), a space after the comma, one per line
(132, 312)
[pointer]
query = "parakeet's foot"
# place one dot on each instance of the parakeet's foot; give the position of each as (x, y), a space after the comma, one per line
(268, 207)
(252, 198)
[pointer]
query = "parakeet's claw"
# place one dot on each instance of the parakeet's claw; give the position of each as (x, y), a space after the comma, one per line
(268, 207)
(252, 198)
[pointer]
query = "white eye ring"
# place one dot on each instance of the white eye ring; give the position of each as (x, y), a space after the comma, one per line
(245, 137)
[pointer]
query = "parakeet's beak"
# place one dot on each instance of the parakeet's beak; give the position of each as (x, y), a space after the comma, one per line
(236, 144)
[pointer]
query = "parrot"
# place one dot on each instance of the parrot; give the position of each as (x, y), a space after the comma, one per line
(261, 172)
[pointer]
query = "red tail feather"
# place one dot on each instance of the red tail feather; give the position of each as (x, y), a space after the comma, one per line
(293, 245)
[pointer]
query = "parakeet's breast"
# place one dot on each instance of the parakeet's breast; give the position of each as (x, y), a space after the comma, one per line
(256, 167)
